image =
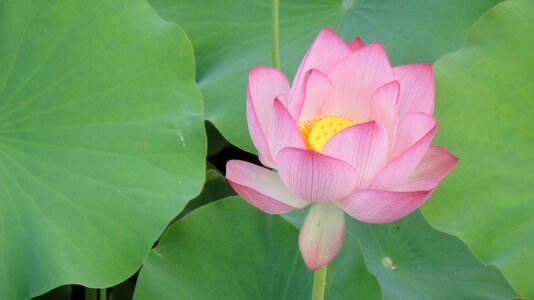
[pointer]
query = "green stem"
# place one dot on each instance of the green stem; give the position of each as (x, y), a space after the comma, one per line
(95, 294)
(103, 293)
(276, 47)
(319, 283)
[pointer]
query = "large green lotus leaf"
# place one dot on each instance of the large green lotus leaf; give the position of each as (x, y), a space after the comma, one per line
(101, 140)
(230, 36)
(215, 187)
(231, 250)
(411, 260)
(485, 109)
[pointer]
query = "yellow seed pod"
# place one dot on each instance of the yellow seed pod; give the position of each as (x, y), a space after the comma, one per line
(322, 130)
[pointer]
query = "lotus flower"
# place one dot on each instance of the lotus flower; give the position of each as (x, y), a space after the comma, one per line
(350, 135)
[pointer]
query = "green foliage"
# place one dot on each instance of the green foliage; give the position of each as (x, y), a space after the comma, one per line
(102, 140)
(216, 142)
(484, 98)
(102, 145)
(412, 260)
(231, 36)
(231, 250)
(215, 187)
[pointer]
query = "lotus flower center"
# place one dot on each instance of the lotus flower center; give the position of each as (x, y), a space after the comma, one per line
(316, 134)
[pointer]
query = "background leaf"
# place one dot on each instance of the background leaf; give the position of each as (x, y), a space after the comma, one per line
(231, 250)
(485, 109)
(215, 187)
(102, 140)
(411, 260)
(231, 36)
(216, 142)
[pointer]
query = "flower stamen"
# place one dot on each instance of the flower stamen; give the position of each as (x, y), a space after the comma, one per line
(317, 132)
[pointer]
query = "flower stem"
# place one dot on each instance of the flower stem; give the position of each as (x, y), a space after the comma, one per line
(103, 294)
(276, 43)
(95, 294)
(319, 283)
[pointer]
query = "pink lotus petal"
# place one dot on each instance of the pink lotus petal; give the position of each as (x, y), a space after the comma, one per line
(258, 136)
(404, 164)
(264, 85)
(417, 89)
(321, 235)
(261, 187)
(356, 44)
(384, 108)
(435, 165)
(313, 176)
(377, 206)
(364, 146)
(316, 89)
(411, 129)
(355, 80)
(325, 52)
(413, 186)
(284, 131)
